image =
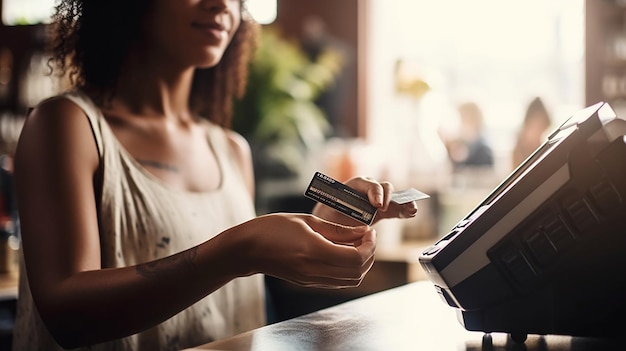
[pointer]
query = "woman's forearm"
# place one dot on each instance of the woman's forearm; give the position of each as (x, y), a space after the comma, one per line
(94, 306)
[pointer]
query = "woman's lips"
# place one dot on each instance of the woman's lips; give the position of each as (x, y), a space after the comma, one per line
(213, 29)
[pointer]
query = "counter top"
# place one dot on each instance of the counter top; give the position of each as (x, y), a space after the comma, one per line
(409, 317)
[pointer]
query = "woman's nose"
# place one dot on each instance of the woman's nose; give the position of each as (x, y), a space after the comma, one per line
(215, 5)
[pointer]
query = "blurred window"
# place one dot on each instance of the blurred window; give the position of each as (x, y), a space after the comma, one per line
(500, 54)
(25, 12)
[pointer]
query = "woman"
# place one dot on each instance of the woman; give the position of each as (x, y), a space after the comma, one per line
(531, 135)
(136, 207)
(470, 147)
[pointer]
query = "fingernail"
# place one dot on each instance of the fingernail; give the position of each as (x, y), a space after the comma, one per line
(379, 200)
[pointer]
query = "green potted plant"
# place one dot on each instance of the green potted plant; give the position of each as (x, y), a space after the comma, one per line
(278, 113)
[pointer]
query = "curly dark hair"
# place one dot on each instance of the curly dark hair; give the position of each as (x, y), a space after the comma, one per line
(91, 57)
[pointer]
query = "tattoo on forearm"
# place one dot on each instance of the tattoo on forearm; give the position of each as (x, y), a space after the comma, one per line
(159, 165)
(167, 265)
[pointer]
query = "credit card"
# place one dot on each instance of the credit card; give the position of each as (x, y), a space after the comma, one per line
(341, 197)
(351, 202)
(408, 195)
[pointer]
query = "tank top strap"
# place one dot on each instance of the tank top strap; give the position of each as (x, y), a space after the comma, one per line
(218, 139)
(93, 113)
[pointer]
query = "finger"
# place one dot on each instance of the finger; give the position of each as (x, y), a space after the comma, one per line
(367, 246)
(330, 276)
(324, 282)
(331, 286)
(374, 190)
(409, 209)
(324, 273)
(337, 233)
(387, 190)
(376, 194)
(345, 255)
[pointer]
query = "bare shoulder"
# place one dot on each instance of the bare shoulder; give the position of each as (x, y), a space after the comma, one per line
(241, 149)
(56, 113)
(56, 128)
(239, 145)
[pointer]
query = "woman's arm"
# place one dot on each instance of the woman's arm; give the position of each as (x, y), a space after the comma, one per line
(55, 165)
(82, 303)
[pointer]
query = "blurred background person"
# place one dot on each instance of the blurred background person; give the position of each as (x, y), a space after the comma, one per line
(532, 132)
(469, 147)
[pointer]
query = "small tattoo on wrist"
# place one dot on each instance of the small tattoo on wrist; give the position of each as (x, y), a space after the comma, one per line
(168, 265)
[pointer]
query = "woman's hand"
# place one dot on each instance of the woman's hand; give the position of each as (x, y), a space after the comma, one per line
(308, 250)
(379, 195)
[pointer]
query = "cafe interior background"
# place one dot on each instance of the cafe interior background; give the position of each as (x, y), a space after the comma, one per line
(372, 87)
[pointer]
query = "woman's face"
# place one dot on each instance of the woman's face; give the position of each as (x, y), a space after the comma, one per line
(191, 32)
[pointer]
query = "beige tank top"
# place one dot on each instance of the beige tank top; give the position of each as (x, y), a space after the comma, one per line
(142, 220)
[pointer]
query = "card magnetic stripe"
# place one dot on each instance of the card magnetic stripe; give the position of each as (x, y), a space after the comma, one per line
(341, 198)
